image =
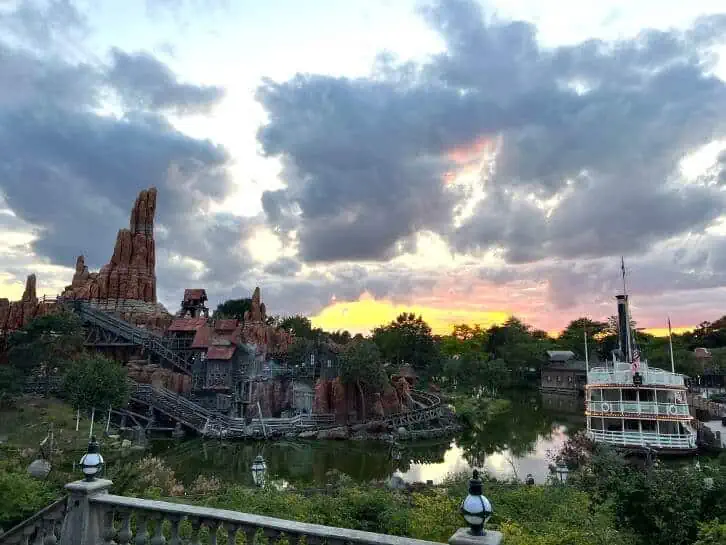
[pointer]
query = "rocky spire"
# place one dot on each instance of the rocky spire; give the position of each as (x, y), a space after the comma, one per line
(130, 274)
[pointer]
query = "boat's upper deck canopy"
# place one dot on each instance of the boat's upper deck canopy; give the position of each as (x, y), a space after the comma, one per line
(622, 373)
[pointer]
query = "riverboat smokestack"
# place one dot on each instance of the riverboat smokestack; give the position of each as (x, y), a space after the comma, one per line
(623, 326)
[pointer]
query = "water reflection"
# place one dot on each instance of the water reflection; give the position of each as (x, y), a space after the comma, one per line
(513, 440)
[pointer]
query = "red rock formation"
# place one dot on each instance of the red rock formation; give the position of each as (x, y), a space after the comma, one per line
(274, 396)
(19, 313)
(130, 275)
(143, 372)
(255, 330)
(343, 400)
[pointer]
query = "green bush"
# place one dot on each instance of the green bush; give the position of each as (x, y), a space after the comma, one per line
(21, 495)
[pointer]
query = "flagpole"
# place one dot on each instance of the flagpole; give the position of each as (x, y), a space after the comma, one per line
(670, 346)
(587, 360)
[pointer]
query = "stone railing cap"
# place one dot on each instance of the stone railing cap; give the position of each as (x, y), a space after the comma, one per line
(88, 487)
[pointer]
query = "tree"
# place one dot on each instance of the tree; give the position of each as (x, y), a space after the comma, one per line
(46, 345)
(408, 340)
(573, 336)
(11, 385)
(301, 327)
(464, 339)
(233, 308)
(360, 364)
(95, 381)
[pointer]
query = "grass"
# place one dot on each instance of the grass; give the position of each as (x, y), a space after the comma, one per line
(28, 423)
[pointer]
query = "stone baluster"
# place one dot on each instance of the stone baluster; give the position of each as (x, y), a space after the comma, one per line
(141, 533)
(109, 532)
(196, 525)
(175, 523)
(158, 538)
(250, 532)
(272, 535)
(212, 525)
(124, 534)
(49, 531)
(231, 533)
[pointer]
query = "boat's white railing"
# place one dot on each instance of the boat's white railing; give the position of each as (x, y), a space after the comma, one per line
(618, 375)
(643, 439)
(639, 407)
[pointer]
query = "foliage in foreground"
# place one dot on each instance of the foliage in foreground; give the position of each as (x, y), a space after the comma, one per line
(95, 381)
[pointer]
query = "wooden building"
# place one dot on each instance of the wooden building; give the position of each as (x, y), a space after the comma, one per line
(563, 373)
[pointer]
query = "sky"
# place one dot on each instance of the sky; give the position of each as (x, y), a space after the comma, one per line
(467, 160)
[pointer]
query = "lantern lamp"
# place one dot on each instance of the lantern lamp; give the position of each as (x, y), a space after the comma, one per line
(476, 508)
(562, 472)
(258, 471)
(92, 461)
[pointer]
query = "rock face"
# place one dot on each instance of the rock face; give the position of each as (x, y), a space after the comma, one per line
(130, 275)
(146, 373)
(344, 400)
(255, 331)
(127, 284)
(16, 314)
(274, 396)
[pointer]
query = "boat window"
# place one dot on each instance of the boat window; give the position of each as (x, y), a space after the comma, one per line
(631, 425)
(559, 378)
(648, 425)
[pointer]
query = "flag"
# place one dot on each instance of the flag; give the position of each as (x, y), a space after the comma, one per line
(635, 360)
(669, 326)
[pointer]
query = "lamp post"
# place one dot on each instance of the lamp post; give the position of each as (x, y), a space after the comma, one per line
(476, 508)
(562, 472)
(258, 471)
(92, 461)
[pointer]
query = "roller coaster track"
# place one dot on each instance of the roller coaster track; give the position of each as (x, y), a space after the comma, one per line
(134, 335)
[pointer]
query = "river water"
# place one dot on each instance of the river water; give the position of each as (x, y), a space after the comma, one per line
(513, 442)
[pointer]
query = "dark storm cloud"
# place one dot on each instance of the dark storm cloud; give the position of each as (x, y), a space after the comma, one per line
(144, 82)
(362, 167)
(598, 126)
(73, 174)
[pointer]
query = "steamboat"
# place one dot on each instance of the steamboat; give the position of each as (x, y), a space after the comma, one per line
(630, 404)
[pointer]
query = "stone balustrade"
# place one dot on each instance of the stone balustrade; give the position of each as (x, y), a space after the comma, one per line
(42, 528)
(92, 516)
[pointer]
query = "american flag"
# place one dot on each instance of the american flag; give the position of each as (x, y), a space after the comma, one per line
(635, 361)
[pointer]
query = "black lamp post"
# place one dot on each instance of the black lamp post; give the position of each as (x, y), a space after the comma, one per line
(476, 508)
(92, 461)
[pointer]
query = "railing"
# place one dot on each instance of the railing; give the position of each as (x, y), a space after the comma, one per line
(43, 527)
(601, 375)
(650, 439)
(117, 512)
(642, 407)
(136, 335)
(94, 516)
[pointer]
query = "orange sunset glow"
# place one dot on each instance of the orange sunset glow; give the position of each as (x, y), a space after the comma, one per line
(365, 314)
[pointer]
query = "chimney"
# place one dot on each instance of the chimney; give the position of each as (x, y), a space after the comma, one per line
(623, 326)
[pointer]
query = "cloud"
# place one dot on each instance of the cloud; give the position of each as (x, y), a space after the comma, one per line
(144, 82)
(72, 173)
(590, 139)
